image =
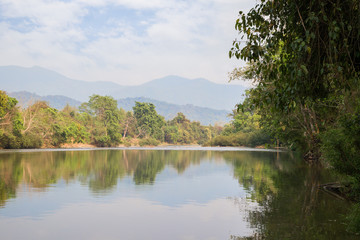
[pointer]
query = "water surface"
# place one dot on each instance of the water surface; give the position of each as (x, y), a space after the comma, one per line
(166, 193)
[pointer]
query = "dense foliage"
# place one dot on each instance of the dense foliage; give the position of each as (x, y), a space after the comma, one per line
(244, 129)
(304, 57)
(98, 122)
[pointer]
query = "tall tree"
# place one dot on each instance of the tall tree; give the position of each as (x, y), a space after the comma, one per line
(107, 115)
(305, 59)
(149, 120)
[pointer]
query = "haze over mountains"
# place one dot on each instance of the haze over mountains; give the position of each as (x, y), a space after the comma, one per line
(205, 116)
(170, 89)
(56, 101)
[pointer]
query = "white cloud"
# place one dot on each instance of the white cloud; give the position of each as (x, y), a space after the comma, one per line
(143, 4)
(48, 14)
(187, 38)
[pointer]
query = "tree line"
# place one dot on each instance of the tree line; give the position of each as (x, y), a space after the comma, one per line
(99, 122)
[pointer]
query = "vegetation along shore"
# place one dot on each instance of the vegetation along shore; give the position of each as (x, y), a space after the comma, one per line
(100, 123)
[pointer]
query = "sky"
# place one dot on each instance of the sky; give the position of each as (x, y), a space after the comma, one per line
(128, 42)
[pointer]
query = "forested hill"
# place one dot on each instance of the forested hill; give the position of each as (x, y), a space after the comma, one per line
(205, 116)
(171, 89)
(56, 101)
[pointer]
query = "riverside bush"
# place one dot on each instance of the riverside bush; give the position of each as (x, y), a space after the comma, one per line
(29, 140)
(9, 141)
(341, 147)
(103, 141)
(148, 142)
(259, 138)
(251, 139)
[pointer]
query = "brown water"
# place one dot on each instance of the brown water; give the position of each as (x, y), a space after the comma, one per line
(170, 193)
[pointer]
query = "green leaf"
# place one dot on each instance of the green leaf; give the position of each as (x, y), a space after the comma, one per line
(303, 67)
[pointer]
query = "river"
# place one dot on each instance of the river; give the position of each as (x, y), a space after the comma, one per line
(166, 193)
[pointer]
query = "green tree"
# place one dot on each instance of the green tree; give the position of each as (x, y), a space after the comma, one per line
(244, 129)
(305, 58)
(106, 131)
(10, 122)
(148, 120)
(180, 119)
(129, 126)
(171, 134)
(7, 105)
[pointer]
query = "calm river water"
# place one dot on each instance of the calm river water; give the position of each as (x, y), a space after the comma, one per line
(169, 193)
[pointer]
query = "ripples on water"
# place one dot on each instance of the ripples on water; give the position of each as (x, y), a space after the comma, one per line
(165, 193)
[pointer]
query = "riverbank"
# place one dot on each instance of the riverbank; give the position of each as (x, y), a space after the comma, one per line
(84, 147)
(134, 144)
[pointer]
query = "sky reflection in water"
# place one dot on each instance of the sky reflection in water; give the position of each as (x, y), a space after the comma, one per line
(191, 200)
(141, 194)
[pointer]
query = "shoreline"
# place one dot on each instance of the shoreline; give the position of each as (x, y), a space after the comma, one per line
(86, 147)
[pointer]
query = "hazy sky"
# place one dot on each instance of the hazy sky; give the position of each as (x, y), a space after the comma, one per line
(124, 41)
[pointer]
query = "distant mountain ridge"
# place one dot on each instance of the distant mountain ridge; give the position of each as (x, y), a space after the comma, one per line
(56, 101)
(44, 82)
(205, 116)
(171, 89)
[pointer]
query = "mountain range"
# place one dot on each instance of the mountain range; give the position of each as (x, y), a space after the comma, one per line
(56, 101)
(171, 89)
(205, 116)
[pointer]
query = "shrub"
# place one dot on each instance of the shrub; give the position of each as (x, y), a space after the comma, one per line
(103, 141)
(259, 138)
(30, 140)
(58, 136)
(9, 141)
(340, 147)
(240, 139)
(148, 142)
(221, 141)
(252, 139)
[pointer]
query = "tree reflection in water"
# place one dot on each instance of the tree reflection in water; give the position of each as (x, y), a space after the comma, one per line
(99, 169)
(291, 206)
